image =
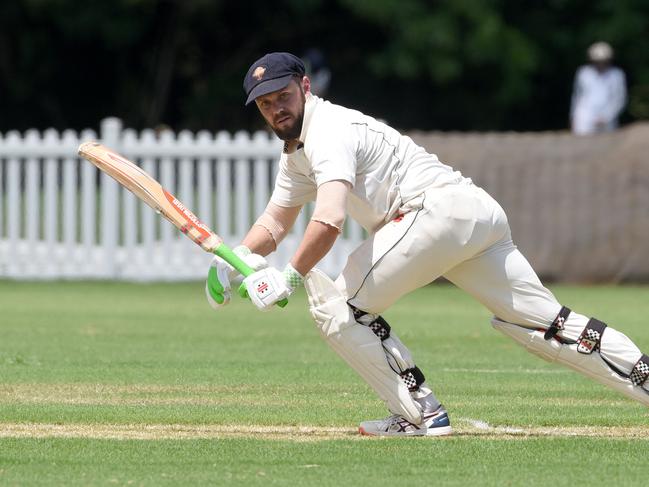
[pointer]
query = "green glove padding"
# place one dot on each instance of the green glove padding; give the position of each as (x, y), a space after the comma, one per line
(215, 288)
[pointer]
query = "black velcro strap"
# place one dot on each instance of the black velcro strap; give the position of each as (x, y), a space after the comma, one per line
(640, 372)
(413, 378)
(558, 324)
(358, 313)
(591, 337)
(380, 328)
(378, 325)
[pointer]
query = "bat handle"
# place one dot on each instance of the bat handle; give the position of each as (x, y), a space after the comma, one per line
(235, 261)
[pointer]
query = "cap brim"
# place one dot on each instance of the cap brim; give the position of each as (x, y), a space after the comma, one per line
(268, 86)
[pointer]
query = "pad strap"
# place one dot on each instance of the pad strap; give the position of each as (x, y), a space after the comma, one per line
(413, 378)
(640, 372)
(379, 326)
(591, 338)
(558, 324)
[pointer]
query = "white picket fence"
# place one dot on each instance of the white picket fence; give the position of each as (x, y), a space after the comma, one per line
(61, 218)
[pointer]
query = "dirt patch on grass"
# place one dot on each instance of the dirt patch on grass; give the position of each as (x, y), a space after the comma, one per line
(473, 427)
(173, 431)
(293, 433)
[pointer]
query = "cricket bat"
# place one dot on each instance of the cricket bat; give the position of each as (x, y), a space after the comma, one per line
(142, 185)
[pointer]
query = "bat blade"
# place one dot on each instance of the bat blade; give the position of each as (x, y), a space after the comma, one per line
(151, 192)
(145, 187)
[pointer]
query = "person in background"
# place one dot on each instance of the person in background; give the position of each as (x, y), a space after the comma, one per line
(599, 93)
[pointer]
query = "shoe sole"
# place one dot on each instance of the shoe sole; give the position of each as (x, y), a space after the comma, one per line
(441, 431)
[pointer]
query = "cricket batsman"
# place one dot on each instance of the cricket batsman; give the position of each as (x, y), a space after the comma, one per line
(424, 220)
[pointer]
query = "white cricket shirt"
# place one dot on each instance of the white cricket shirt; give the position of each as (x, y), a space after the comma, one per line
(384, 168)
(597, 96)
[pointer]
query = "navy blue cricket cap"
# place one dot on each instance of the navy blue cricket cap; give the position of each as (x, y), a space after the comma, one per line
(270, 73)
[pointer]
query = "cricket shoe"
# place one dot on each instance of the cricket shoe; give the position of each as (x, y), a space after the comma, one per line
(435, 423)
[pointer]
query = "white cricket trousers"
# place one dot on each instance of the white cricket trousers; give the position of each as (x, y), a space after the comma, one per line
(459, 232)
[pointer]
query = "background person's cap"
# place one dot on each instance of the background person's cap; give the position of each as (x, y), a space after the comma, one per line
(270, 73)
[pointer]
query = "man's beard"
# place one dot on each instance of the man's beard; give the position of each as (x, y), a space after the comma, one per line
(292, 132)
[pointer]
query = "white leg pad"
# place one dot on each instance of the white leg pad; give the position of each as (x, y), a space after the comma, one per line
(357, 345)
(400, 360)
(591, 365)
(397, 355)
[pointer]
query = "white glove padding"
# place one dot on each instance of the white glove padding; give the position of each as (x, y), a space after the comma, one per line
(221, 274)
(268, 286)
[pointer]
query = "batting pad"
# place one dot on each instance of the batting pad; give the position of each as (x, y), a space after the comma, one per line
(357, 345)
(591, 365)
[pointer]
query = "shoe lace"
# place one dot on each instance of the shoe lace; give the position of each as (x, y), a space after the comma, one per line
(391, 420)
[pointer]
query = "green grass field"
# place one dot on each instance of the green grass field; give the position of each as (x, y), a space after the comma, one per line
(127, 384)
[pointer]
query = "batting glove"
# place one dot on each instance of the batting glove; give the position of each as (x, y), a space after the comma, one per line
(221, 275)
(269, 286)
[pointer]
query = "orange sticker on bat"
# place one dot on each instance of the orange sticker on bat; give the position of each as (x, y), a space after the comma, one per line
(191, 219)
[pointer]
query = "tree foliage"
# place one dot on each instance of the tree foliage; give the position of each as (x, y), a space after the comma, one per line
(445, 64)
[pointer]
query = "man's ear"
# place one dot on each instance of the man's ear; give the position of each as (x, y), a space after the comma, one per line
(306, 85)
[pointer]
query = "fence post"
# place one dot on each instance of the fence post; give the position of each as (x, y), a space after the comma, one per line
(110, 130)
(14, 213)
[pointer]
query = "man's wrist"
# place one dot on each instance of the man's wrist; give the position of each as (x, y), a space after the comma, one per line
(292, 277)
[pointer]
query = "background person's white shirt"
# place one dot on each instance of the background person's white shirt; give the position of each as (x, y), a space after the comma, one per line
(597, 97)
(384, 168)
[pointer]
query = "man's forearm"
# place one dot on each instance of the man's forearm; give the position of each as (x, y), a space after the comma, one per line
(259, 241)
(318, 240)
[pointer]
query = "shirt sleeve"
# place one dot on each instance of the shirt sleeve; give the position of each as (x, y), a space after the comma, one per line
(576, 90)
(291, 187)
